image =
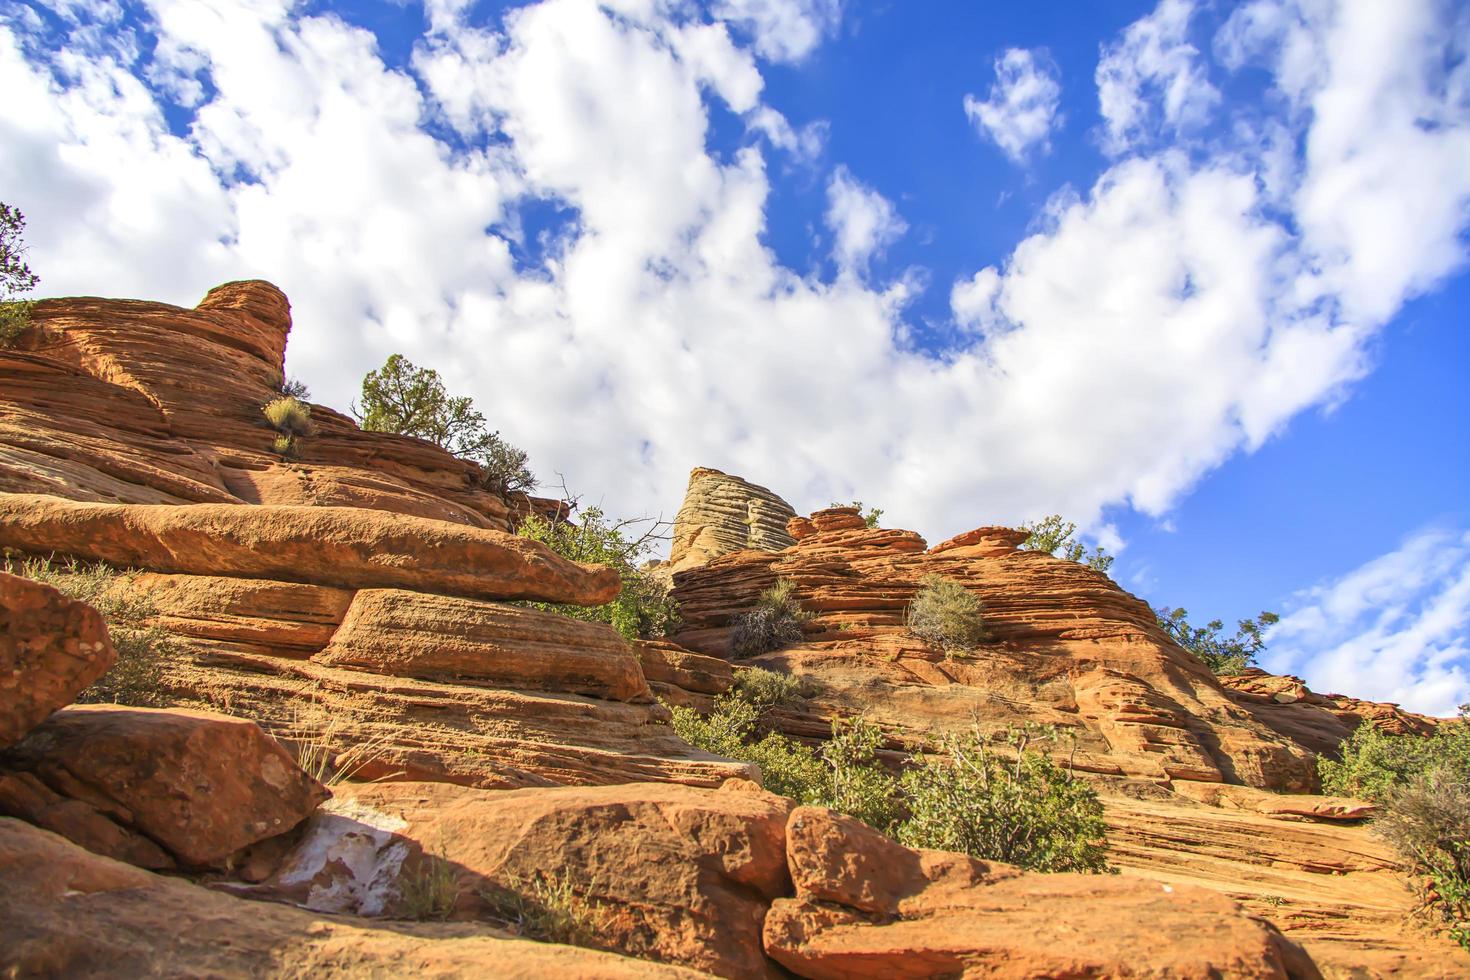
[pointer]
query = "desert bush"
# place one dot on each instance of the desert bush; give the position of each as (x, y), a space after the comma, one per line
(870, 517)
(144, 651)
(775, 622)
(428, 888)
(404, 398)
(548, 908)
(1223, 655)
(766, 689)
(294, 388)
(643, 608)
(16, 276)
(1422, 785)
(1004, 803)
(288, 415)
(1053, 535)
(946, 614)
(858, 783)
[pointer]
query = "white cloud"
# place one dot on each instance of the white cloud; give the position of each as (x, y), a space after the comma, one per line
(863, 222)
(1021, 110)
(1152, 79)
(1399, 627)
(784, 30)
(1152, 325)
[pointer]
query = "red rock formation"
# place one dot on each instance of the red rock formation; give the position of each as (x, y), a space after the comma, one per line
(51, 649)
(65, 912)
(156, 787)
(866, 907)
(1069, 648)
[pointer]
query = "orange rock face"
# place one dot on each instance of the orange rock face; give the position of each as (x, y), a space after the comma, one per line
(866, 907)
(65, 912)
(1068, 648)
(199, 786)
(348, 547)
(51, 649)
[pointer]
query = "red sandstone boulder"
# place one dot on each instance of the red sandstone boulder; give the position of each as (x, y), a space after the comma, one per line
(65, 912)
(867, 907)
(199, 786)
(680, 875)
(51, 649)
(348, 547)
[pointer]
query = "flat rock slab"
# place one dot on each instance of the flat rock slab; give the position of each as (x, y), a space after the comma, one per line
(51, 649)
(346, 547)
(200, 786)
(410, 634)
(65, 912)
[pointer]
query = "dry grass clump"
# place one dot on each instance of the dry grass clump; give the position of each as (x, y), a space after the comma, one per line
(325, 745)
(144, 650)
(548, 908)
(429, 889)
(775, 622)
(947, 615)
(291, 417)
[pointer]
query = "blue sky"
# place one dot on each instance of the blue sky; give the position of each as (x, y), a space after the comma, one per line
(1190, 273)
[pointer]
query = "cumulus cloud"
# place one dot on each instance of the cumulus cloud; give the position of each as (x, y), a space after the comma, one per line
(1152, 78)
(1021, 110)
(532, 206)
(1398, 626)
(863, 222)
(783, 30)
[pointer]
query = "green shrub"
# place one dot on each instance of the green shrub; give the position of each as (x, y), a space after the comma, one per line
(858, 783)
(1053, 535)
(775, 622)
(15, 317)
(144, 651)
(644, 607)
(412, 401)
(1004, 804)
(1223, 655)
(870, 518)
(1422, 785)
(548, 909)
(946, 614)
(766, 689)
(288, 415)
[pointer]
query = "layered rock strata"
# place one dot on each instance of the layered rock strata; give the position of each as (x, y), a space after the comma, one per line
(723, 513)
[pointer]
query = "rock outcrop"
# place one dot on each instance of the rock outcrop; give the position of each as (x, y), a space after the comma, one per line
(65, 912)
(51, 649)
(158, 789)
(723, 513)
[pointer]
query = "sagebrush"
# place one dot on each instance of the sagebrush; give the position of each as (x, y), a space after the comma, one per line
(946, 614)
(774, 622)
(144, 651)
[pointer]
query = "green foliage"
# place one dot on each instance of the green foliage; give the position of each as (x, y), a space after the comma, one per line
(1008, 804)
(1422, 785)
(766, 689)
(428, 888)
(946, 614)
(548, 909)
(643, 608)
(144, 651)
(16, 276)
(870, 518)
(412, 401)
(1222, 655)
(775, 622)
(857, 782)
(1053, 535)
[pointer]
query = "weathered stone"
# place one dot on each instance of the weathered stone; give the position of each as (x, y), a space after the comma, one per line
(201, 786)
(934, 914)
(65, 912)
(51, 649)
(409, 634)
(346, 547)
(723, 513)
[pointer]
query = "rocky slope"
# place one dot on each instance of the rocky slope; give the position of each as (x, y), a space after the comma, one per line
(360, 604)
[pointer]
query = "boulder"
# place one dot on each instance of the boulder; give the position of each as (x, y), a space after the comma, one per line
(65, 912)
(723, 513)
(346, 547)
(867, 907)
(680, 875)
(51, 649)
(200, 786)
(410, 634)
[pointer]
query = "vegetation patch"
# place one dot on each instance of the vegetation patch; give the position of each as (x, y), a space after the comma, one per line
(946, 614)
(429, 888)
(144, 651)
(1422, 785)
(549, 909)
(1224, 655)
(775, 622)
(16, 276)
(1054, 536)
(870, 517)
